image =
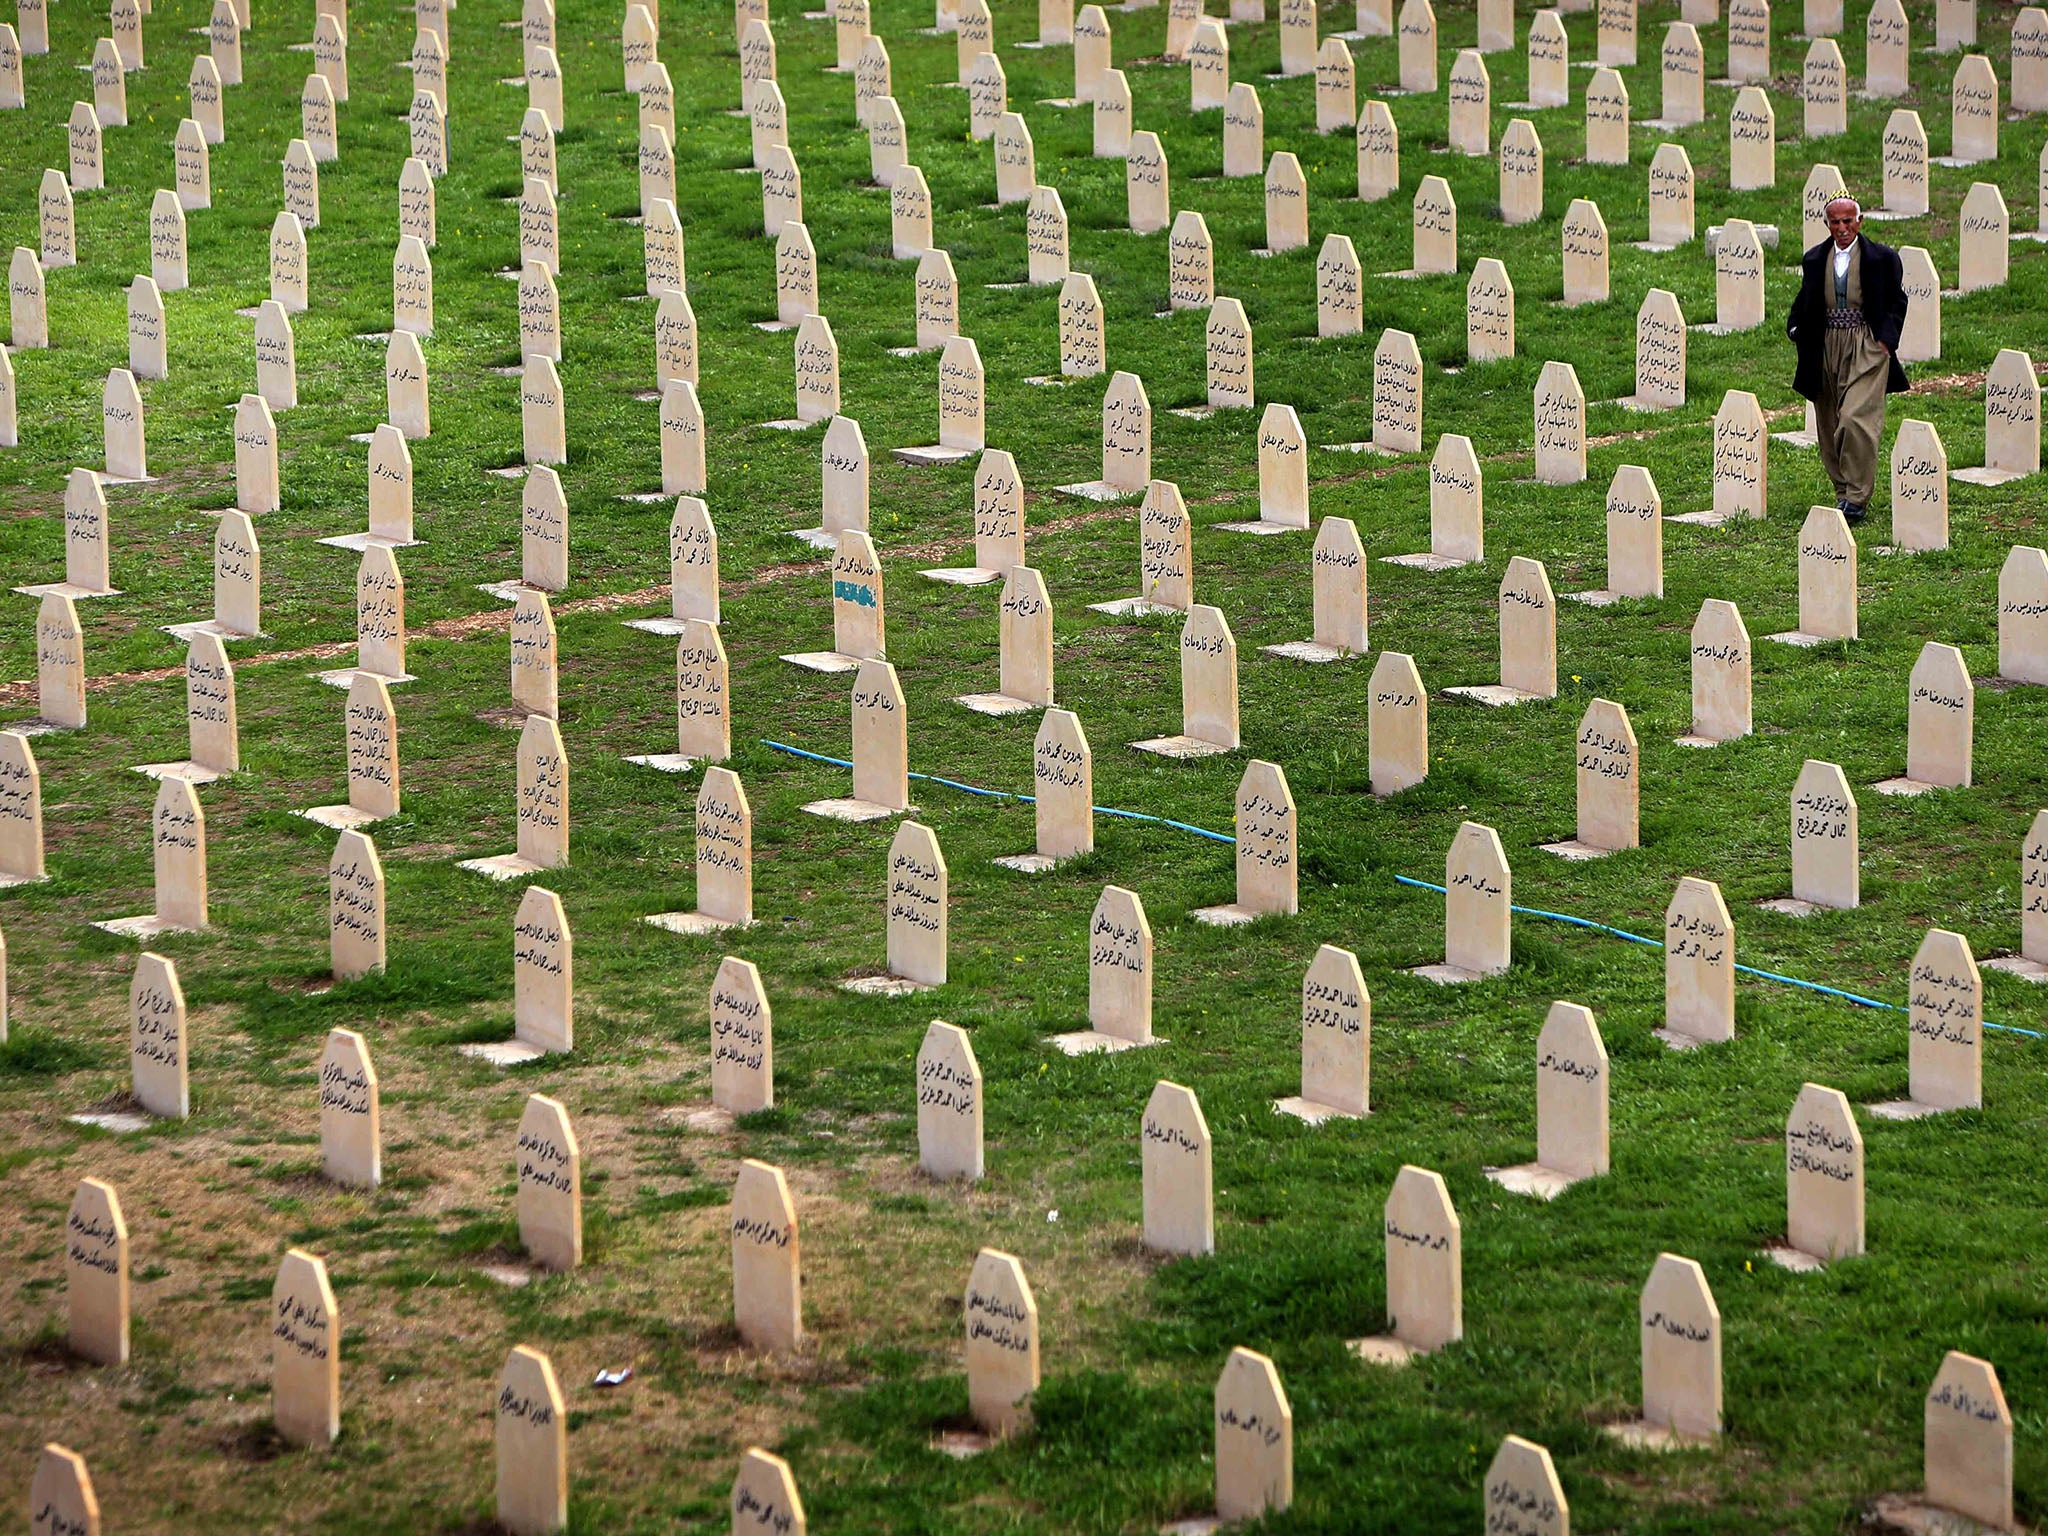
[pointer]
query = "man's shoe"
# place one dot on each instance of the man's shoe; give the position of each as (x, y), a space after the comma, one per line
(1842, 504)
(1852, 512)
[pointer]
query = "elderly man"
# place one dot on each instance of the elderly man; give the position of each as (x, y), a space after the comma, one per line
(1846, 324)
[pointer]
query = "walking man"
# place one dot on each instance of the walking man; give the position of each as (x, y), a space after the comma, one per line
(1846, 325)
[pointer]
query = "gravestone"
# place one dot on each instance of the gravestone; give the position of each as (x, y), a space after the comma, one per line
(1062, 776)
(2023, 615)
(742, 1039)
(57, 225)
(1825, 88)
(1984, 243)
(1489, 313)
(1191, 265)
(256, 474)
(1337, 81)
(21, 812)
(87, 160)
(1571, 1094)
(1681, 1332)
(1720, 675)
(975, 35)
(1126, 435)
(543, 531)
(682, 440)
(1208, 56)
(880, 740)
(949, 1105)
(27, 301)
(1521, 182)
(60, 663)
(192, 172)
(166, 242)
(1435, 224)
(1337, 572)
(1738, 278)
(782, 190)
(757, 55)
(224, 42)
(2012, 422)
(532, 638)
(1478, 889)
(1749, 42)
(1825, 862)
(1616, 32)
(1560, 425)
(540, 316)
(1283, 467)
(1267, 850)
(148, 335)
(277, 368)
(318, 123)
(1684, 75)
(768, 120)
(1336, 1040)
(1340, 279)
(96, 1274)
(1940, 719)
(1740, 463)
(1671, 198)
(817, 370)
(532, 1438)
(1208, 687)
(2030, 60)
(1045, 237)
(1397, 394)
(1297, 37)
(60, 1495)
(1549, 60)
(1905, 165)
(1888, 36)
(1415, 32)
(936, 299)
(540, 234)
(1944, 1029)
(1177, 1174)
(1827, 580)
(158, 1047)
(1119, 971)
(1973, 113)
(305, 1352)
(1111, 118)
(121, 417)
(1145, 185)
(767, 1292)
(1660, 353)
(1397, 725)
(1607, 118)
(1425, 1269)
(910, 214)
(703, 696)
(1699, 966)
(661, 243)
(1967, 1432)
(426, 134)
(1002, 1343)
(1286, 205)
(543, 429)
(1523, 1495)
(330, 53)
(1082, 344)
(1016, 160)
(542, 798)
(1379, 153)
(1752, 139)
(764, 1497)
(1920, 491)
(543, 974)
(412, 288)
(1091, 52)
(86, 536)
(1244, 129)
(1471, 101)
(405, 388)
(355, 910)
(1823, 1177)
(1609, 783)
(657, 165)
(675, 340)
(1254, 1439)
(430, 69)
(213, 741)
(1635, 534)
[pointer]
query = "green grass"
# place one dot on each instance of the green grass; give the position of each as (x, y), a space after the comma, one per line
(1824, 1373)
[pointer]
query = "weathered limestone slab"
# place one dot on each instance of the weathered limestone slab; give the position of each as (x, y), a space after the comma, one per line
(949, 1105)
(1699, 967)
(767, 1291)
(95, 1279)
(305, 1352)
(1177, 1173)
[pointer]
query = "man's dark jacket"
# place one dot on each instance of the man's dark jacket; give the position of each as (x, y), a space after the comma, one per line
(1884, 308)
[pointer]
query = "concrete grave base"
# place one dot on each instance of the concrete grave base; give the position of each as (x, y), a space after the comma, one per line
(1641, 1436)
(1180, 747)
(1797, 439)
(66, 589)
(513, 1276)
(1309, 651)
(791, 424)
(145, 927)
(2017, 965)
(932, 455)
(884, 986)
(502, 1053)
(1361, 447)
(1260, 527)
(1049, 380)
(502, 866)
(341, 818)
(823, 661)
(1911, 1515)
(1904, 1109)
(667, 762)
(1088, 1042)
(188, 770)
(1574, 850)
(996, 704)
(691, 924)
(1446, 975)
(9, 882)
(1699, 743)
(1987, 476)
(817, 538)
(1229, 915)
(1194, 1525)
(1793, 1259)
(1532, 1179)
(1599, 597)
(1384, 1350)
(1679, 1042)
(1028, 863)
(503, 591)
(1099, 490)
(1193, 412)
(1905, 787)
(358, 542)
(664, 625)
(186, 632)
(345, 677)
(1310, 1112)
(119, 1122)
(1792, 906)
(1706, 519)
(962, 575)
(1425, 562)
(1495, 695)
(1638, 403)
(1131, 607)
(1799, 637)
(643, 498)
(853, 810)
(961, 1443)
